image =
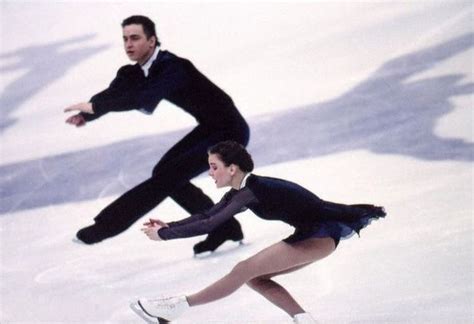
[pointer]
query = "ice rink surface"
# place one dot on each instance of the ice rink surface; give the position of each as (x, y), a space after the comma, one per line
(357, 101)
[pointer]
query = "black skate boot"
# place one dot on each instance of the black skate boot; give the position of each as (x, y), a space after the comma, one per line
(230, 230)
(92, 234)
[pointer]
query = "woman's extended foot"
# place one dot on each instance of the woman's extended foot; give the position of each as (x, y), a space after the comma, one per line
(165, 309)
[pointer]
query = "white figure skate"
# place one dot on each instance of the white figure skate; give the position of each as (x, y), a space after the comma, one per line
(163, 309)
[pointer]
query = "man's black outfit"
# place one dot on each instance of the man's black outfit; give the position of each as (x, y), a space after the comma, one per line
(177, 80)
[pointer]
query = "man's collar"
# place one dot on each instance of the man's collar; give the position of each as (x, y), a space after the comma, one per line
(146, 67)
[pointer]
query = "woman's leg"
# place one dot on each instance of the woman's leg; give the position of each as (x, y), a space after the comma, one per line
(273, 260)
(275, 293)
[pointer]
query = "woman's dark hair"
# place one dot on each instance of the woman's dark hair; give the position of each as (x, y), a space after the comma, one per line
(231, 152)
(147, 24)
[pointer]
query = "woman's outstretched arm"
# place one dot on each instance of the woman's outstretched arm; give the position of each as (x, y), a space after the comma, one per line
(204, 223)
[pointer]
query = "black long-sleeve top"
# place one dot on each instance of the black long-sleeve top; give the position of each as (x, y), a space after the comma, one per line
(170, 78)
(271, 199)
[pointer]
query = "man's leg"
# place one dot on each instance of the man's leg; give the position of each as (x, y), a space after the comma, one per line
(184, 161)
(126, 210)
(191, 198)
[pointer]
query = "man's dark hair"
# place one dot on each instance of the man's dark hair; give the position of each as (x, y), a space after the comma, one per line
(147, 24)
(231, 152)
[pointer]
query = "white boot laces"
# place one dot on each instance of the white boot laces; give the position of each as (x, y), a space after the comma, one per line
(164, 303)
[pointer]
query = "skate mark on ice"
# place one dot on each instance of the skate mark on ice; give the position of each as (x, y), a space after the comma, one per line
(71, 269)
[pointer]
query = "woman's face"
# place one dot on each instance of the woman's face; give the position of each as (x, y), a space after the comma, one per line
(221, 173)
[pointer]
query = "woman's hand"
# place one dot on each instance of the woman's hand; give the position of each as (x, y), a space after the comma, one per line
(152, 228)
(152, 222)
(152, 232)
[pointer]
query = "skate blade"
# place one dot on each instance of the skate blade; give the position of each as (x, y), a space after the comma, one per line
(227, 249)
(144, 316)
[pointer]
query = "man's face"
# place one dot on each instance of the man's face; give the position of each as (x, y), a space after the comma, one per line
(137, 46)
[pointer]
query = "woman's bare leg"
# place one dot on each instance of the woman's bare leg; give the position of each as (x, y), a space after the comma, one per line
(275, 293)
(275, 259)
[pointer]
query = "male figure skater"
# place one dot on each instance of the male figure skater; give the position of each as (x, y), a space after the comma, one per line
(160, 75)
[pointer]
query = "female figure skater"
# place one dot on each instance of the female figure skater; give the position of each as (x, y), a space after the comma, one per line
(319, 225)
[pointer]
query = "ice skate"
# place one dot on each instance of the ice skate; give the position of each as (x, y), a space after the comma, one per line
(91, 234)
(139, 311)
(304, 318)
(231, 232)
(163, 309)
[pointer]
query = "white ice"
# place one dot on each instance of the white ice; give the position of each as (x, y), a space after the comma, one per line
(358, 101)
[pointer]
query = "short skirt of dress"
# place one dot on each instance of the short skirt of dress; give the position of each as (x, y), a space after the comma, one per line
(337, 229)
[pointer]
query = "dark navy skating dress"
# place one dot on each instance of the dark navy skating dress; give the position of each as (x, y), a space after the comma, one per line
(277, 199)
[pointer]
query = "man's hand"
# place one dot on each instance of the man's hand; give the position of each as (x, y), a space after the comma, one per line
(152, 232)
(78, 120)
(85, 107)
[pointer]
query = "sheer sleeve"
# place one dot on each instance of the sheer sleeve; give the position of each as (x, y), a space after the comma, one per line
(200, 216)
(204, 223)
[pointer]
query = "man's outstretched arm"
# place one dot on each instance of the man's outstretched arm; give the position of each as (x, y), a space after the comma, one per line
(78, 120)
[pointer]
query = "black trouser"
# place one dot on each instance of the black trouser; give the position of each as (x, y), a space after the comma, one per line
(171, 178)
